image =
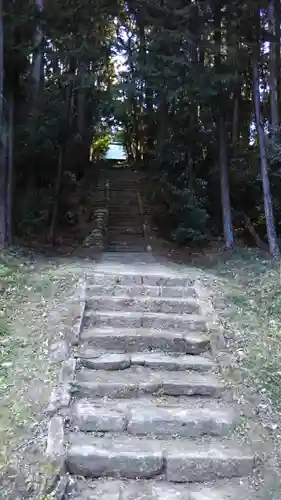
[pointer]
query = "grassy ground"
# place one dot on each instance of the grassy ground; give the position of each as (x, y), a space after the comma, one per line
(29, 294)
(247, 294)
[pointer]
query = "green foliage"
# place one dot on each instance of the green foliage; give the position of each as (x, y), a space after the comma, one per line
(190, 218)
(100, 145)
(176, 78)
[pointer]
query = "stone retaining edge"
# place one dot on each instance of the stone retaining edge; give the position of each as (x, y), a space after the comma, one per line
(59, 402)
(213, 324)
(97, 238)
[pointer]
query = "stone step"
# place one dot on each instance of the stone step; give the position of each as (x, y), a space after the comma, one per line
(154, 420)
(97, 360)
(140, 304)
(138, 277)
(136, 381)
(116, 489)
(116, 206)
(178, 461)
(124, 245)
(119, 319)
(145, 290)
(141, 339)
(119, 232)
(124, 217)
(126, 238)
(125, 249)
(126, 225)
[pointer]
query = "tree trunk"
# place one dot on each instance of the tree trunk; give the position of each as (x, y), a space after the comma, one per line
(9, 220)
(64, 150)
(272, 66)
(58, 184)
(3, 184)
(37, 62)
(235, 120)
(223, 161)
(225, 197)
(277, 51)
(82, 72)
(270, 224)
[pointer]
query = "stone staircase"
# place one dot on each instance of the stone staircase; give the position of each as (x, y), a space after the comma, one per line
(149, 418)
(125, 221)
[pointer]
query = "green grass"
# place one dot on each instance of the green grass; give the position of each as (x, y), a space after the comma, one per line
(249, 288)
(29, 295)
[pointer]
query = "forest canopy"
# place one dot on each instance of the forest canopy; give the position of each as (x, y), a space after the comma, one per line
(193, 90)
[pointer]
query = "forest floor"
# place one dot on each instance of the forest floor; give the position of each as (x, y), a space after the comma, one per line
(246, 291)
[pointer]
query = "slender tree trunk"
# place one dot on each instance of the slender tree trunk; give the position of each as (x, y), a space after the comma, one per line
(272, 67)
(190, 175)
(277, 51)
(37, 63)
(235, 120)
(3, 179)
(9, 221)
(81, 100)
(58, 184)
(223, 160)
(64, 153)
(225, 197)
(268, 208)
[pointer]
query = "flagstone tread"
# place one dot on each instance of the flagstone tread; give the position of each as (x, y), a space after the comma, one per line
(159, 400)
(138, 275)
(144, 339)
(90, 358)
(142, 290)
(156, 420)
(138, 380)
(142, 304)
(192, 322)
(114, 489)
(180, 461)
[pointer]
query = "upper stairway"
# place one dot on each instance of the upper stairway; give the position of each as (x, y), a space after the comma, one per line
(125, 230)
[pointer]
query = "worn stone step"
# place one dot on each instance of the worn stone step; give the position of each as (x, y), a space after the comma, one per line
(126, 227)
(116, 489)
(145, 290)
(138, 380)
(153, 420)
(166, 321)
(139, 304)
(125, 243)
(178, 461)
(124, 248)
(124, 223)
(97, 360)
(141, 339)
(123, 237)
(138, 276)
(120, 234)
(123, 209)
